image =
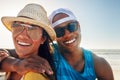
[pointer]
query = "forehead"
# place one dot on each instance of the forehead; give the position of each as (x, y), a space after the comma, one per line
(59, 16)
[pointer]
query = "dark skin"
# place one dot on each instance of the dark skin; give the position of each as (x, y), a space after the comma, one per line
(74, 55)
(102, 68)
(22, 66)
(98, 61)
(3, 55)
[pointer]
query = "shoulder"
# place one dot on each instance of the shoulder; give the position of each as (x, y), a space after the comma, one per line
(102, 68)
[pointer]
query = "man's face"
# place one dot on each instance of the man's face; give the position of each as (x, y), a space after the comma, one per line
(68, 33)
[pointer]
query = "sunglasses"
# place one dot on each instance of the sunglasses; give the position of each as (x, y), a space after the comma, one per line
(71, 27)
(33, 31)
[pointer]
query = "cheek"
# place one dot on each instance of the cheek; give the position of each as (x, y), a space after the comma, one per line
(37, 43)
(59, 40)
(14, 36)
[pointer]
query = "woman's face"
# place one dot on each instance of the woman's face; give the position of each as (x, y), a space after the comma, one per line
(27, 38)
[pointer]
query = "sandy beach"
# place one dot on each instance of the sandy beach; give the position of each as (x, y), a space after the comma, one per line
(116, 74)
(1, 76)
(116, 71)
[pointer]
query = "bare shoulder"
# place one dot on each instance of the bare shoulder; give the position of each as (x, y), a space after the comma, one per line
(102, 68)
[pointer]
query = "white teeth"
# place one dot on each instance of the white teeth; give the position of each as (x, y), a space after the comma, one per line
(24, 44)
(70, 41)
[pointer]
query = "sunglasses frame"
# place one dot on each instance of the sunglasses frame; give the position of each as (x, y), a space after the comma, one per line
(28, 27)
(60, 31)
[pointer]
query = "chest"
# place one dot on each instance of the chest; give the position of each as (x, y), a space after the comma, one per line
(77, 65)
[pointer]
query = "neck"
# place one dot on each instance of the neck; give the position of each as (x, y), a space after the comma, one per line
(75, 58)
(29, 54)
(70, 54)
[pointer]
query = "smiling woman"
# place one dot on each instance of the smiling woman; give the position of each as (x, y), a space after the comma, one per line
(99, 20)
(31, 35)
(26, 38)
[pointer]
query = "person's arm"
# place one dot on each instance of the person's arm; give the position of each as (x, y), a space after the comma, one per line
(3, 55)
(22, 66)
(7, 62)
(102, 68)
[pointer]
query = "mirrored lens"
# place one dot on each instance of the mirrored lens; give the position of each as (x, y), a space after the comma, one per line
(17, 28)
(33, 32)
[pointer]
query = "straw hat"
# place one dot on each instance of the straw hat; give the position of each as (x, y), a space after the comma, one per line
(33, 14)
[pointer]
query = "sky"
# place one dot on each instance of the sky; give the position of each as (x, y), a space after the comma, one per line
(99, 20)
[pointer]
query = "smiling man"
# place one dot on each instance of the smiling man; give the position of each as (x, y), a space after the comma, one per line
(73, 62)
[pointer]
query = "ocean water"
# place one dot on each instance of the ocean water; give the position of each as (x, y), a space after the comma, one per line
(111, 55)
(113, 58)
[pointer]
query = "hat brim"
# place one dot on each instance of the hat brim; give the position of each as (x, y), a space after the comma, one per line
(7, 21)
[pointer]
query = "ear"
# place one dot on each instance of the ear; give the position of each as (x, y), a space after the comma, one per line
(43, 39)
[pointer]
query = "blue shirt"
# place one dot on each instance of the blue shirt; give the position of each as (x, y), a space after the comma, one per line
(65, 72)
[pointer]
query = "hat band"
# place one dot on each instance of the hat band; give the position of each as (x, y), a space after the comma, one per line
(63, 20)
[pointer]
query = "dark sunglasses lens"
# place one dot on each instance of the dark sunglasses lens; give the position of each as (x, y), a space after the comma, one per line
(72, 26)
(59, 32)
